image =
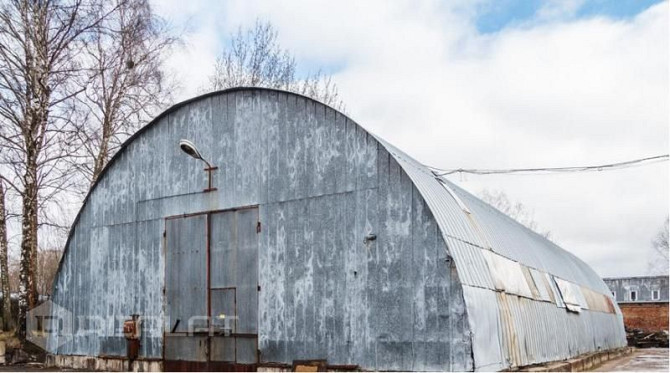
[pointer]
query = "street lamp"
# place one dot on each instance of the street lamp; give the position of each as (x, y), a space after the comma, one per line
(189, 148)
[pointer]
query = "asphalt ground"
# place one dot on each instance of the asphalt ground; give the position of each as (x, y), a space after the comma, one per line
(641, 360)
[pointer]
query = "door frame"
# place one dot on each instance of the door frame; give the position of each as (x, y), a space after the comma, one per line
(209, 364)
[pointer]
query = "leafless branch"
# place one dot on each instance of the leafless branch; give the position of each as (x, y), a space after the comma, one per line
(254, 58)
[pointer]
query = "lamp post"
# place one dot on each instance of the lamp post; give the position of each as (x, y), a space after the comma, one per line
(189, 148)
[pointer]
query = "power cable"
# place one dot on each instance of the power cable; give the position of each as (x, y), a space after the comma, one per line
(602, 167)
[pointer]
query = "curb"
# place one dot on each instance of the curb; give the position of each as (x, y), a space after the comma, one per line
(580, 363)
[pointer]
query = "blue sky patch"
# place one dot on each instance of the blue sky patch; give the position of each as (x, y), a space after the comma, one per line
(494, 16)
(616, 9)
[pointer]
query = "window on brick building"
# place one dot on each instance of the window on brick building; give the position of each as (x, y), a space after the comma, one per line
(655, 295)
(633, 295)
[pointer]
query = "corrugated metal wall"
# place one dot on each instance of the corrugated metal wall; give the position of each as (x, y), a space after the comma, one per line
(322, 184)
(430, 292)
(515, 281)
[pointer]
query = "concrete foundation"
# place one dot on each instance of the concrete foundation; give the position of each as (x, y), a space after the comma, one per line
(581, 363)
(116, 364)
(109, 364)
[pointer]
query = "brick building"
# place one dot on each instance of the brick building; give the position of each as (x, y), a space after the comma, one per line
(643, 301)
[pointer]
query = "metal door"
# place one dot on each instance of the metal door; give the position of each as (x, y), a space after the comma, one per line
(234, 286)
(211, 288)
(186, 288)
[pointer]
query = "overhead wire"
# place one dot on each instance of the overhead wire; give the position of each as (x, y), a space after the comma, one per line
(596, 168)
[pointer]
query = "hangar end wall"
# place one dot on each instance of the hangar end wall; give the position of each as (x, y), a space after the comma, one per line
(352, 267)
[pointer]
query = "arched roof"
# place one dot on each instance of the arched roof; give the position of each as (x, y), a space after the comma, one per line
(528, 300)
(465, 218)
(493, 255)
(483, 226)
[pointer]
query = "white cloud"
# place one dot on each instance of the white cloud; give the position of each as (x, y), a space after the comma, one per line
(554, 91)
(197, 23)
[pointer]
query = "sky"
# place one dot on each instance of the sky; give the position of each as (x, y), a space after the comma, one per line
(490, 84)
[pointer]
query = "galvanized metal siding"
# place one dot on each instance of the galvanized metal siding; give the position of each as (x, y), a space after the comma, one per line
(104, 279)
(322, 184)
(186, 269)
(510, 330)
(518, 243)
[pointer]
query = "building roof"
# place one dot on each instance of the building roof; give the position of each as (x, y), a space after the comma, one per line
(634, 277)
(488, 248)
(528, 300)
(465, 218)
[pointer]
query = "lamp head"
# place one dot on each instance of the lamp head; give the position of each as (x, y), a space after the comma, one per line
(189, 148)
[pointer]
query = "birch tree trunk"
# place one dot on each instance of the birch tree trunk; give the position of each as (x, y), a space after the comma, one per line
(4, 267)
(37, 97)
(39, 73)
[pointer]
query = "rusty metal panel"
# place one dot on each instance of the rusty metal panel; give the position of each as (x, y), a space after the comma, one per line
(509, 333)
(597, 301)
(526, 323)
(581, 299)
(531, 282)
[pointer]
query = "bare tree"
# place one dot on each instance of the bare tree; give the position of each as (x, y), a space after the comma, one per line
(4, 268)
(126, 83)
(515, 210)
(38, 44)
(14, 269)
(658, 263)
(48, 261)
(255, 59)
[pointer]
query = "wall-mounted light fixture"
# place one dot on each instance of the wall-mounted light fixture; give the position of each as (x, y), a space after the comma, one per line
(189, 148)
